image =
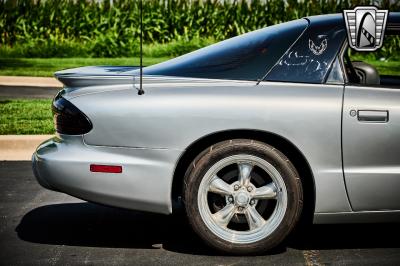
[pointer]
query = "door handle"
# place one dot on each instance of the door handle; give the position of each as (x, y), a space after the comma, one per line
(373, 116)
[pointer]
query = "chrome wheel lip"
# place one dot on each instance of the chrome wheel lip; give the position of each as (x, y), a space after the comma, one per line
(250, 236)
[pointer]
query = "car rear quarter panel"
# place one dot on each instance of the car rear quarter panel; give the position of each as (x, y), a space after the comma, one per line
(172, 114)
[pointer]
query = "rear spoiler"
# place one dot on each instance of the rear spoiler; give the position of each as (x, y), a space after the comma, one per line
(97, 75)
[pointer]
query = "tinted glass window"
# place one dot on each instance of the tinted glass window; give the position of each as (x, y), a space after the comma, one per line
(310, 59)
(245, 57)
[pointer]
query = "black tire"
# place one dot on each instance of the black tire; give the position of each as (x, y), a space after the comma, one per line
(206, 159)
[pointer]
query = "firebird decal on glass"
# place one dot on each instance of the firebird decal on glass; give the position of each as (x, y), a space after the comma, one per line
(318, 50)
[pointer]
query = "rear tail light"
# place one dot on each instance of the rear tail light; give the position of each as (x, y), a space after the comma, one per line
(68, 119)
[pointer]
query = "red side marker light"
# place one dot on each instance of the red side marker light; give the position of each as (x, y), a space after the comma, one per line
(98, 168)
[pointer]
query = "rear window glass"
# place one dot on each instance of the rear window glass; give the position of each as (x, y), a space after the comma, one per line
(245, 57)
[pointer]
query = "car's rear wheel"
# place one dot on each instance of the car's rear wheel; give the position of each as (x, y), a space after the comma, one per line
(242, 196)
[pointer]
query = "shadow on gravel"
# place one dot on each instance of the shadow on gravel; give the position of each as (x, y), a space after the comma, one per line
(87, 224)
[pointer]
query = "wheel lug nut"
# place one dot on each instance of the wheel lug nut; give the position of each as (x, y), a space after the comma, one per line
(249, 189)
(236, 187)
(252, 202)
(230, 199)
(240, 209)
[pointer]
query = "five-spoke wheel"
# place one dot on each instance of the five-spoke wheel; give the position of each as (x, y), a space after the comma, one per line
(237, 196)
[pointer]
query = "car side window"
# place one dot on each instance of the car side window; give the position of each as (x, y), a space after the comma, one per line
(380, 68)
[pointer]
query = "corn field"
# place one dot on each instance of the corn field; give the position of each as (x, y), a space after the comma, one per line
(60, 28)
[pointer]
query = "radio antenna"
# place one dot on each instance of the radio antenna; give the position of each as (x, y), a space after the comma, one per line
(141, 91)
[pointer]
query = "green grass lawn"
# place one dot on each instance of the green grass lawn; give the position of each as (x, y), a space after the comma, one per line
(45, 67)
(26, 117)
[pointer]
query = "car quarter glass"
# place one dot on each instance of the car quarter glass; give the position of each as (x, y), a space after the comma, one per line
(310, 58)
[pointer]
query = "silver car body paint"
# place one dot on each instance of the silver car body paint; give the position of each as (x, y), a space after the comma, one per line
(62, 164)
(371, 147)
(174, 113)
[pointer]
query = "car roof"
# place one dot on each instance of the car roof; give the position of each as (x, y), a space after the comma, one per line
(393, 23)
(333, 19)
(393, 19)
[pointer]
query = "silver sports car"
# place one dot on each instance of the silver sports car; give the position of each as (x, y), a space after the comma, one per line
(250, 135)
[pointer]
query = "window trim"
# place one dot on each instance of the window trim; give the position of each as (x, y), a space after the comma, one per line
(340, 59)
(343, 50)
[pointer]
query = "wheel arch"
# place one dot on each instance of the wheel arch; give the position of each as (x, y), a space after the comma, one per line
(279, 142)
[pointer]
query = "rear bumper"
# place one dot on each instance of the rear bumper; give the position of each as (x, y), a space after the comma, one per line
(63, 164)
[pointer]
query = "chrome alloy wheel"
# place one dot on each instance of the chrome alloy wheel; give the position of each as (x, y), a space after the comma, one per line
(243, 198)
